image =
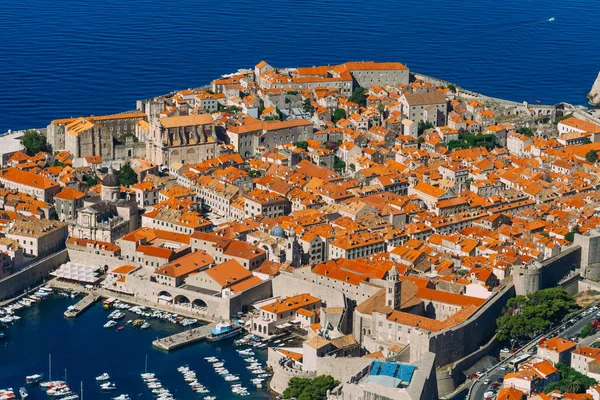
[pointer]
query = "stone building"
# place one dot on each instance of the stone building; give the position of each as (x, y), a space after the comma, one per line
(39, 238)
(118, 126)
(185, 139)
(253, 134)
(37, 186)
(105, 218)
(427, 107)
(67, 202)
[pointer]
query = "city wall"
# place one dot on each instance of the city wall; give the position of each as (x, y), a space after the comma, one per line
(340, 368)
(288, 285)
(451, 376)
(31, 275)
(240, 302)
(548, 273)
(463, 339)
(85, 258)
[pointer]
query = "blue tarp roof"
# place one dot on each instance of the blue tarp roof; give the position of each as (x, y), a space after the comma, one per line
(391, 373)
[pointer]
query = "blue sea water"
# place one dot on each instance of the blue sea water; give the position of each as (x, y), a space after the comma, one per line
(86, 350)
(64, 58)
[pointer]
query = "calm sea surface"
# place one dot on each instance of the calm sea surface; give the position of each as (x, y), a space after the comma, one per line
(85, 349)
(64, 58)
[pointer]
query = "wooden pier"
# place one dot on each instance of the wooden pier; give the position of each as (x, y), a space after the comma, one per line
(184, 338)
(81, 306)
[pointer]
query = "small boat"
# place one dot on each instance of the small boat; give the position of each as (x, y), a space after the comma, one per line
(23, 393)
(110, 324)
(51, 384)
(551, 19)
(120, 328)
(108, 387)
(71, 397)
(2, 335)
(31, 379)
(210, 398)
(145, 325)
(102, 378)
(148, 375)
(122, 397)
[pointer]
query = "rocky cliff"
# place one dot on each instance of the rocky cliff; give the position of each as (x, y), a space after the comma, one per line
(594, 94)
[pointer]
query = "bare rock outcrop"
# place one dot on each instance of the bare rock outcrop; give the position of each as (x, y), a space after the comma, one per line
(594, 94)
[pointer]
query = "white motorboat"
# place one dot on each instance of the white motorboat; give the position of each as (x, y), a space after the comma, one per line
(231, 378)
(102, 378)
(31, 379)
(148, 375)
(122, 397)
(108, 387)
(110, 324)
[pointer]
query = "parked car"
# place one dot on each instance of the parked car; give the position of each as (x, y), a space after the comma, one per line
(480, 373)
(500, 380)
(486, 382)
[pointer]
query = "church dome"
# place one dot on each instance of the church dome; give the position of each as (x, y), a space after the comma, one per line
(277, 231)
(110, 179)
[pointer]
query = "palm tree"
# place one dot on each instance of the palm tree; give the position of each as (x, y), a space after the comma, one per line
(572, 386)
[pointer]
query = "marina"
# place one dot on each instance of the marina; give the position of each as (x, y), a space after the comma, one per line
(108, 363)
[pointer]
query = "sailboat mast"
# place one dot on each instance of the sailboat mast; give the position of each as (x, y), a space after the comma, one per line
(81, 391)
(49, 367)
(146, 365)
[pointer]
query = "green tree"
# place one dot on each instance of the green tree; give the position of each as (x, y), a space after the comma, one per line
(33, 141)
(381, 110)
(587, 141)
(452, 87)
(253, 173)
(58, 164)
(307, 107)
(358, 96)
(301, 145)
(569, 237)
(570, 381)
(591, 156)
(528, 316)
(338, 114)
(352, 167)
(91, 180)
(525, 131)
(127, 175)
(421, 139)
(423, 126)
(309, 389)
(339, 164)
(587, 330)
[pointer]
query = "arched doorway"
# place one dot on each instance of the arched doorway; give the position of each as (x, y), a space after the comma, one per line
(182, 300)
(199, 304)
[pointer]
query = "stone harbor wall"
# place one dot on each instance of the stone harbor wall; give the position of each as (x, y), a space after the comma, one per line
(31, 275)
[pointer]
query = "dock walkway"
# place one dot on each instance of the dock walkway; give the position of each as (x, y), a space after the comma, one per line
(81, 306)
(184, 338)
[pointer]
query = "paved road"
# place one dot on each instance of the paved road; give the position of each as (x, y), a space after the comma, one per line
(479, 387)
